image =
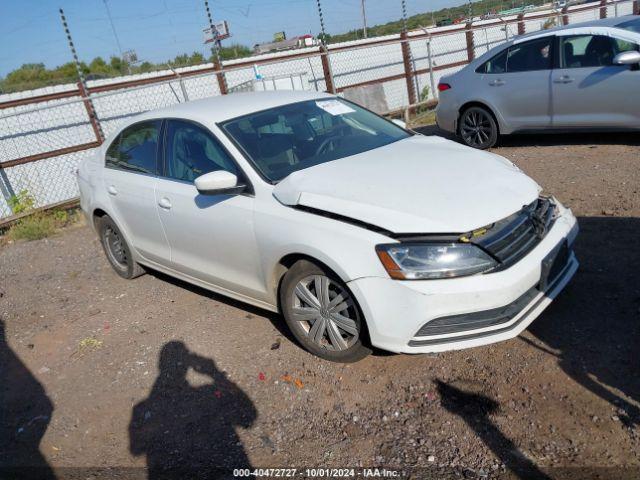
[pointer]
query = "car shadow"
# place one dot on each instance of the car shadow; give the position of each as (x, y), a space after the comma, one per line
(25, 413)
(547, 139)
(187, 431)
(276, 319)
(593, 327)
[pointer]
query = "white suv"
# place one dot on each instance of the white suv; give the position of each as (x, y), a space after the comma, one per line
(360, 232)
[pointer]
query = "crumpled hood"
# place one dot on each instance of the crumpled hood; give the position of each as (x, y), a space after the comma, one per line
(417, 185)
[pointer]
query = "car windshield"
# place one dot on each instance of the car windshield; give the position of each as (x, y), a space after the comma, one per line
(292, 137)
(631, 25)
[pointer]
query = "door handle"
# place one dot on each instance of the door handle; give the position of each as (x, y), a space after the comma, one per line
(563, 79)
(164, 203)
(497, 83)
(112, 190)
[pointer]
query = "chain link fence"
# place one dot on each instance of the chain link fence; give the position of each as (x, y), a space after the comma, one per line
(45, 133)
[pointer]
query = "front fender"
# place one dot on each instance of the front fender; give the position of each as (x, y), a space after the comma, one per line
(348, 250)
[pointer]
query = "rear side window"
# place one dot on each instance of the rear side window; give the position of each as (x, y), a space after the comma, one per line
(530, 56)
(522, 57)
(135, 148)
(497, 64)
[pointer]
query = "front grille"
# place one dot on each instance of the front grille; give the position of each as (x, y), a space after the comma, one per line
(475, 320)
(512, 238)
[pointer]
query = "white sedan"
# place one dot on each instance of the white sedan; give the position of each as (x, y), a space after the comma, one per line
(361, 233)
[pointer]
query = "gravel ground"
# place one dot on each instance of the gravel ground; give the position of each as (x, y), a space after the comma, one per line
(101, 372)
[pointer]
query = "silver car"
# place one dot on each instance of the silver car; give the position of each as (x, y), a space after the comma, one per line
(580, 77)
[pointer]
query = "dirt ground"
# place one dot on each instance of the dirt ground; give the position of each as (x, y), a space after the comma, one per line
(100, 372)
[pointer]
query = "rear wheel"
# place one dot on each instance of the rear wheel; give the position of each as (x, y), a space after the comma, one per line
(478, 128)
(117, 250)
(322, 313)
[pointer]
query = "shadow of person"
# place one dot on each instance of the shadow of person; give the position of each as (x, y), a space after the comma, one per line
(25, 413)
(187, 431)
(475, 409)
(593, 326)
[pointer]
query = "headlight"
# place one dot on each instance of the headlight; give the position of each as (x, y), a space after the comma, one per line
(433, 260)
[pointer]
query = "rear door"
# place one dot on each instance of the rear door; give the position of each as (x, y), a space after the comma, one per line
(517, 83)
(129, 179)
(589, 90)
(211, 236)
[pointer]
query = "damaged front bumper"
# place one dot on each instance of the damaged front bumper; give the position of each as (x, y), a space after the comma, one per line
(450, 314)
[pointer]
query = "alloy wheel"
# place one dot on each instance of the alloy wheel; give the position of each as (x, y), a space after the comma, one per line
(327, 312)
(476, 128)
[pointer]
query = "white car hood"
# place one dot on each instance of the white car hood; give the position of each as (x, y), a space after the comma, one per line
(417, 185)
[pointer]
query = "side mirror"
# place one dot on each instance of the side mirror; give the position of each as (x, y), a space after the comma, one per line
(400, 123)
(218, 183)
(627, 58)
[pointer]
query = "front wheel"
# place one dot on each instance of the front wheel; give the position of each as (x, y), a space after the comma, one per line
(478, 128)
(322, 313)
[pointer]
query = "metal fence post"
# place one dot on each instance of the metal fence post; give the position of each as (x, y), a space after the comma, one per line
(603, 8)
(326, 68)
(82, 85)
(408, 68)
(432, 80)
(470, 46)
(521, 27)
(222, 81)
(93, 117)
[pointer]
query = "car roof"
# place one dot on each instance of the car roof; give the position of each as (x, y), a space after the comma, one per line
(604, 22)
(225, 107)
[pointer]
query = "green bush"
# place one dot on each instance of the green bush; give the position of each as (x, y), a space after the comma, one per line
(21, 202)
(33, 227)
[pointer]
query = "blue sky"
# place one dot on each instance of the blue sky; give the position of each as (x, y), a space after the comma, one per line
(31, 32)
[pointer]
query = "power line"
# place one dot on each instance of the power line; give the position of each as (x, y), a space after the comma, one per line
(113, 27)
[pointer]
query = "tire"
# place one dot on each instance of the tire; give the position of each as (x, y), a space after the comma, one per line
(477, 128)
(117, 249)
(306, 296)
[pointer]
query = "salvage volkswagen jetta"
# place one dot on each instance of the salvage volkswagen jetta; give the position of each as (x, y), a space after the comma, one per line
(362, 233)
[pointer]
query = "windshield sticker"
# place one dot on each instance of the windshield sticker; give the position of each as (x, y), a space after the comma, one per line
(334, 107)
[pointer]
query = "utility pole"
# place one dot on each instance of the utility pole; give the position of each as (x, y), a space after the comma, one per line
(364, 19)
(215, 49)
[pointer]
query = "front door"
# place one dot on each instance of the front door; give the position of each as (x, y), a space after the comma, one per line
(211, 236)
(589, 90)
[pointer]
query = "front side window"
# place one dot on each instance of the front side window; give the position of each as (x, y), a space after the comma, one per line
(581, 51)
(191, 151)
(292, 137)
(135, 148)
(530, 56)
